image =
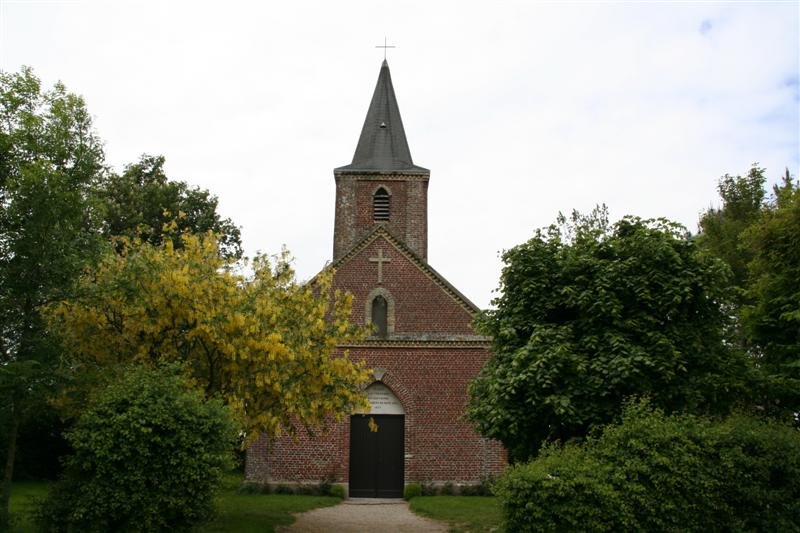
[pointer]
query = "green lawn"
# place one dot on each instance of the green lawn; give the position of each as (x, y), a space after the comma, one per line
(463, 513)
(23, 493)
(259, 512)
(236, 512)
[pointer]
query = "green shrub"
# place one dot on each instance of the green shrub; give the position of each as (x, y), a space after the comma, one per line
(149, 453)
(429, 489)
(283, 489)
(661, 473)
(412, 490)
(337, 491)
(447, 489)
(484, 488)
(324, 487)
(249, 487)
(468, 490)
(305, 490)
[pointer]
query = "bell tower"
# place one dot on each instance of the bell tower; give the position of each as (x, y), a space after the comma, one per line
(382, 186)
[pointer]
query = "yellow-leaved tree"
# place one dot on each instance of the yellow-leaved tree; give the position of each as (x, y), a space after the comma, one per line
(247, 332)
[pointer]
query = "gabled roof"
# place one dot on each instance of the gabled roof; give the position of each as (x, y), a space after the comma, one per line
(383, 146)
(382, 231)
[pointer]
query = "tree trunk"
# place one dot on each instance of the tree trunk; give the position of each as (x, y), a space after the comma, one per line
(8, 471)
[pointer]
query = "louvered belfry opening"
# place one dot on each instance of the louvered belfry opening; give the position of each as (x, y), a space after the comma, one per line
(381, 203)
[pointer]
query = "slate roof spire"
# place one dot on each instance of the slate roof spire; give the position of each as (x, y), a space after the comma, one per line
(383, 145)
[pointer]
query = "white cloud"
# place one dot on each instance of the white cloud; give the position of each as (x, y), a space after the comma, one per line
(519, 109)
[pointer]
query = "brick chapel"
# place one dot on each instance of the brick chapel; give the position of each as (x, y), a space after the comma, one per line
(423, 350)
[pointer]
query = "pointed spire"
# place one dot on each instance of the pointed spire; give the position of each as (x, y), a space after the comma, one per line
(382, 145)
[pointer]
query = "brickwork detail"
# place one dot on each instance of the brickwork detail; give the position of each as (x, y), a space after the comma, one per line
(440, 446)
(354, 217)
(420, 305)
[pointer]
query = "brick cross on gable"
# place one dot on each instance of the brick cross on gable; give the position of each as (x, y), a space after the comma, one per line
(380, 260)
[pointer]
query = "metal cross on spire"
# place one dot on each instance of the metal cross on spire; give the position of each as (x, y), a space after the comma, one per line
(385, 46)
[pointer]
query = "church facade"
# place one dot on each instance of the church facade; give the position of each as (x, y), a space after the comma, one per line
(423, 351)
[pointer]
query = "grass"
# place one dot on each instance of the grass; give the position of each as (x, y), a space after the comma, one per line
(23, 494)
(237, 513)
(241, 513)
(462, 513)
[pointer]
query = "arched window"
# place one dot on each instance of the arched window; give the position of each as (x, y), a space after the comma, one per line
(380, 308)
(381, 203)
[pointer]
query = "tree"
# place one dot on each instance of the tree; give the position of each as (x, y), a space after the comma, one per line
(50, 159)
(757, 236)
(149, 452)
(743, 199)
(771, 318)
(139, 202)
(262, 342)
(591, 313)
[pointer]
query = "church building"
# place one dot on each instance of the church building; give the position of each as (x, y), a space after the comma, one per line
(423, 350)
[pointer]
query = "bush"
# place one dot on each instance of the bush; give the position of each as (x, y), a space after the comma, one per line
(249, 487)
(305, 490)
(662, 473)
(447, 489)
(337, 491)
(412, 490)
(324, 487)
(484, 488)
(149, 453)
(283, 489)
(429, 489)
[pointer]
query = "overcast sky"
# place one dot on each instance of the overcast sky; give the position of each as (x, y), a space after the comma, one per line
(519, 109)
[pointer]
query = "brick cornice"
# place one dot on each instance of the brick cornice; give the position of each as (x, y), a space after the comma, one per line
(436, 344)
(371, 175)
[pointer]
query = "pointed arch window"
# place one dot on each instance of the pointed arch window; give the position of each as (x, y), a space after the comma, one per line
(380, 316)
(381, 205)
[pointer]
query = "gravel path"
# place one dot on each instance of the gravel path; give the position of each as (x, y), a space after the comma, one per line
(364, 515)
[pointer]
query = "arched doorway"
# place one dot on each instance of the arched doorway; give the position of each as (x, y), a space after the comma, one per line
(377, 447)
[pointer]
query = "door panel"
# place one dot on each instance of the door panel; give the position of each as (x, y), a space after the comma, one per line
(377, 457)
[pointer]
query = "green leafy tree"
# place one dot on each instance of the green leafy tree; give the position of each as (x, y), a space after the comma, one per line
(149, 452)
(591, 313)
(58, 205)
(771, 317)
(50, 160)
(743, 200)
(757, 236)
(141, 202)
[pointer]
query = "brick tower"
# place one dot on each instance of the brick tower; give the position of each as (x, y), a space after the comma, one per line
(423, 350)
(382, 161)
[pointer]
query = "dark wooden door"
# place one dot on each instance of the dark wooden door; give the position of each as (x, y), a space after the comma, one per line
(377, 457)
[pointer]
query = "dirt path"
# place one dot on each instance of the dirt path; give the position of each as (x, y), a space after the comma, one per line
(364, 515)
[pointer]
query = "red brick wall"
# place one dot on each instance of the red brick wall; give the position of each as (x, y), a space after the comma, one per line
(431, 383)
(408, 219)
(421, 305)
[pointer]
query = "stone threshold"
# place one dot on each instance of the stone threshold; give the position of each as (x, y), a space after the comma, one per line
(374, 501)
